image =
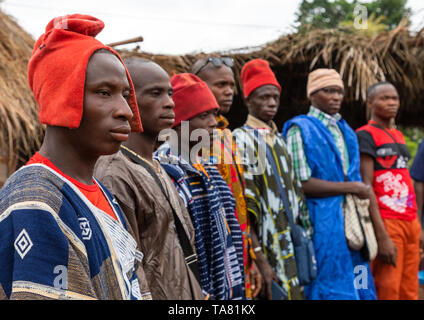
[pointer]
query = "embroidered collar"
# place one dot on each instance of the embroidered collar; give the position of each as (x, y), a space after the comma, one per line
(165, 156)
(256, 123)
(324, 117)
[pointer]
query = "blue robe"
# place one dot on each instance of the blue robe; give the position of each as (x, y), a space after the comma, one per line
(342, 273)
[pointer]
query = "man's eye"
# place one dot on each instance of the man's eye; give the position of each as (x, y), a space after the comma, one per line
(103, 93)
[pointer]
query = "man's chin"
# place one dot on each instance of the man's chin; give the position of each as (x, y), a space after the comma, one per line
(110, 149)
(334, 109)
(224, 109)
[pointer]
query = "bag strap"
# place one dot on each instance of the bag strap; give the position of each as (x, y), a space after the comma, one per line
(388, 133)
(190, 256)
(282, 191)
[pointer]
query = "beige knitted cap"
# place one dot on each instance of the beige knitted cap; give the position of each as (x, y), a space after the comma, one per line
(322, 78)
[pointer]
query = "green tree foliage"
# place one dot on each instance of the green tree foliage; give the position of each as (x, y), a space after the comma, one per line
(392, 10)
(324, 14)
(413, 137)
(373, 27)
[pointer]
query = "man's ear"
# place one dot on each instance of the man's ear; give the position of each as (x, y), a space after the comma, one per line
(368, 108)
(312, 98)
(247, 102)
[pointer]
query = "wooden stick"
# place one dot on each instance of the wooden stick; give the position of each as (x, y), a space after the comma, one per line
(132, 40)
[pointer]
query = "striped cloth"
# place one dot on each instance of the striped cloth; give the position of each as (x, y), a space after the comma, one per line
(228, 163)
(218, 238)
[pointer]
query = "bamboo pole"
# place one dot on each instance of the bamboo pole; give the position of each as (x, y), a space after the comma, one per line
(132, 40)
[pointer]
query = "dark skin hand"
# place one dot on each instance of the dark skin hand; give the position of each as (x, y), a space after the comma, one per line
(256, 280)
(265, 269)
(387, 250)
(318, 188)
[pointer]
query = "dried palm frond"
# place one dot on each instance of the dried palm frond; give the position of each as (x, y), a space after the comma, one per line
(362, 60)
(20, 130)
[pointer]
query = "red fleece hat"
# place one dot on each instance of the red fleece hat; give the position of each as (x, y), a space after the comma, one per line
(257, 73)
(56, 70)
(191, 96)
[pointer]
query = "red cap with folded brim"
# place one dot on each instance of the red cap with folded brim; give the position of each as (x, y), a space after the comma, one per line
(57, 68)
(257, 73)
(191, 96)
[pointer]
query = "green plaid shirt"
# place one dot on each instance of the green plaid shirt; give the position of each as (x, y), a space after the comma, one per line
(296, 148)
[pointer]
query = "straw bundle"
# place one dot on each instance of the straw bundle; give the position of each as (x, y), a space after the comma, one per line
(20, 131)
(395, 56)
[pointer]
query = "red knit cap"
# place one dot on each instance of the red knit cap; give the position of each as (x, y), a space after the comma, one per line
(56, 70)
(257, 73)
(191, 96)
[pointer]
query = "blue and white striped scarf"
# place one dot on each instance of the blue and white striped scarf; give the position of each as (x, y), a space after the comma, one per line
(218, 237)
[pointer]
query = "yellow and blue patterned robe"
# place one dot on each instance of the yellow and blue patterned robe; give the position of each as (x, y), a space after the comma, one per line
(264, 203)
(54, 244)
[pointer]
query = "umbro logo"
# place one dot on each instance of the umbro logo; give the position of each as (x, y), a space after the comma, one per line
(85, 228)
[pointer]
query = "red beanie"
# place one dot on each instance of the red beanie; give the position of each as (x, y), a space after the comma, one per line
(56, 70)
(257, 73)
(191, 96)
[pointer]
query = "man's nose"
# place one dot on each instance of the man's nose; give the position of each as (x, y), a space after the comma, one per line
(272, 102)
(123, 110)
(229, 91)
(169, 103)
(337, 97)
(212, 123)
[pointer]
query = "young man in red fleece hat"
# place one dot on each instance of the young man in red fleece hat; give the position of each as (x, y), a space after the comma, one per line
(147, 195)
(218, 238)
(63, 236)
(272, 242)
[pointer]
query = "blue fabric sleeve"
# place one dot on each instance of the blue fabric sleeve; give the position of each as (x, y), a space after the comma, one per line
(34, 249)
(417, 169)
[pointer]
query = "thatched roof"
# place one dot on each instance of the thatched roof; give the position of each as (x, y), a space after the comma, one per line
(395, 56)
(20, 131)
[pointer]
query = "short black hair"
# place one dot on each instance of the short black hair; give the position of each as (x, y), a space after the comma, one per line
(373, 88)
